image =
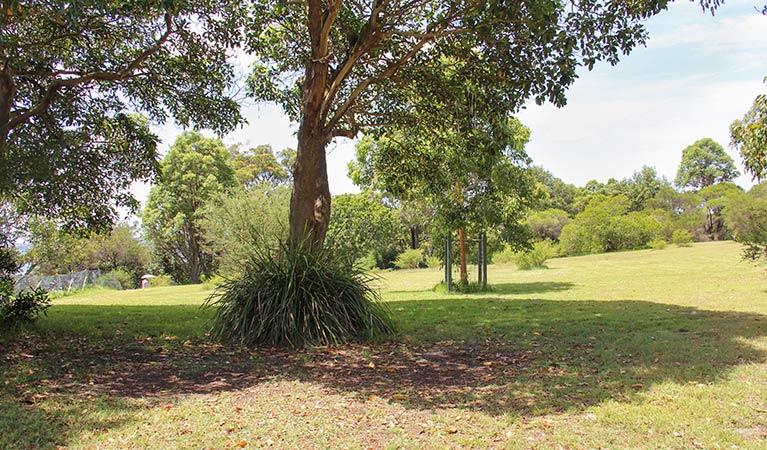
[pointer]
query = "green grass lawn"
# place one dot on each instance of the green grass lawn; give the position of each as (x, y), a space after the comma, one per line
(645, 349)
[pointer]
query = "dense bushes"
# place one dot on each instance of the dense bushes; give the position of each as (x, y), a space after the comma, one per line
(24, 306)
(410, 259)
(681, 238)
(606, 225)
(240, 224)
(548, 224)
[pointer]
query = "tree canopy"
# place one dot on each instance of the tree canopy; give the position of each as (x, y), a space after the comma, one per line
(705, 163)
(73, 74)
(339, 67)
(362, 224)
(195, 172)
(261, 166)
(749, 136)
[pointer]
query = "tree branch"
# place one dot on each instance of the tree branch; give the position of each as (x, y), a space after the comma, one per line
(120, 75)
(393, 67)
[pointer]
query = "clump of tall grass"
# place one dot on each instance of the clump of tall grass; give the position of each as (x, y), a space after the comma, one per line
(292, 297)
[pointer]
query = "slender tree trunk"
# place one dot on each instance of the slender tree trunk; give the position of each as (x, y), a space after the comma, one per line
(195, 258)
(462, 255)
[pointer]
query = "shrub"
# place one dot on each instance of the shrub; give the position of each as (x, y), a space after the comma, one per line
(368, 262)
(292, 297)
(433, 262)
(117, 279)
(410, 259)
(161, 281)
(682, 238)
(548, 224)
(25, 306)
(536, 257)
(505, 256)
(213, 282)
(657, 244)
(607, 225)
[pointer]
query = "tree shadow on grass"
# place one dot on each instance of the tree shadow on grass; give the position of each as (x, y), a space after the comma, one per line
(540, 287)
(532, 357)
(499, 357)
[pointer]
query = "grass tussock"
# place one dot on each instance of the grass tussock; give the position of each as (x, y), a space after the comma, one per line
(290, 297)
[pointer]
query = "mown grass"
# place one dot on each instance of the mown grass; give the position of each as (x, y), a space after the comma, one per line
(646, 349)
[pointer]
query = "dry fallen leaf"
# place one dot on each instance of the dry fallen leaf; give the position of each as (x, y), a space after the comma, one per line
(241, 444)
(399, 397)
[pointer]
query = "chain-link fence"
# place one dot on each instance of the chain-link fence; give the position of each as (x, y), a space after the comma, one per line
(66, 282)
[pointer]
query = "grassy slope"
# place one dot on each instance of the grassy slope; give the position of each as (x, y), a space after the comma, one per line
(647, 349)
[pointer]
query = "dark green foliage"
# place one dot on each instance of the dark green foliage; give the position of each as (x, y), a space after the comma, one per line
(24, 306)
(548, 224)
(747, 218)
(749, 135)
(643, 186)
(196, 173)
(639, 189)
(607, 225)
(716, 198)
(71, 70)
(558, 194)
(292, 297)
(119, 251)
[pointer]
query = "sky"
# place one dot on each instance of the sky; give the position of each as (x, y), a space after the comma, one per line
(696, 74)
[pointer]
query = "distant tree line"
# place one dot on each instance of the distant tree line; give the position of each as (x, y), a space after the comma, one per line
(214, 207)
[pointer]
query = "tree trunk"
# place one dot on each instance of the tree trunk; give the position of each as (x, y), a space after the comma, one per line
(310, 199)
(195, 258)
(414, 237)
(462, 255)
(7, 92)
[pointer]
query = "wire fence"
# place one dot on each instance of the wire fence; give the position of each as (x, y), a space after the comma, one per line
(66, 282)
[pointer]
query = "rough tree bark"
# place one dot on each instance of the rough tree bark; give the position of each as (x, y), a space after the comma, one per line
(310, 199)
